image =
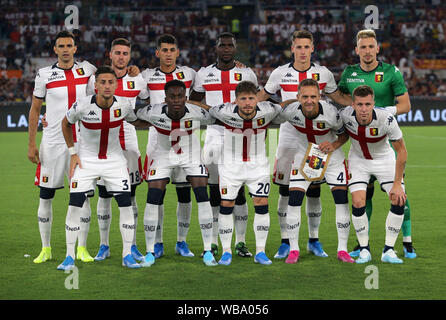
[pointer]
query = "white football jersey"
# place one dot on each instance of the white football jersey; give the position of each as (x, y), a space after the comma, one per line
(219, 86)
(129, 88)
(100, 127)
(324, 127)
(245, 140)
(175, 136)
(286, 80)
(61, 88)
(371, 141)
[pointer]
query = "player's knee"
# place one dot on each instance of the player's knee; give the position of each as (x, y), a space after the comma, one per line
(340, 196)
(241, 199)
(314, 191)
(155, 196)
(47, 193)
(261, 209)
(296, 198)
(77, 199)
(103, 193)
(123, 199)
(183, 194)
(214, 195)
(284, 191)
(358, 211)
(201, 194)
(398, 210)
(226, 210)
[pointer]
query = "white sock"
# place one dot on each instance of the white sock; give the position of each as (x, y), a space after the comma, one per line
(240, 222)
(183, 219)
(150, 223)
(85, 218)
(45, 220)
(225, 230)
(127, 227)
(293, 218)
(215, 215)
(104, 213)
(342, 225)
(361, 225)
(393, 226)
(407, 239)
(313, 210)
(159, 227)
(261, 228)
(135, 217)
(205, 221)
(72, 229)
(282, 207)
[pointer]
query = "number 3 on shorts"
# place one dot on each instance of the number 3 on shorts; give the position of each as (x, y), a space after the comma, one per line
(126, 185)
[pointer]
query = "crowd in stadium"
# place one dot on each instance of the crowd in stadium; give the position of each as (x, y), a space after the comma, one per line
(418, 35)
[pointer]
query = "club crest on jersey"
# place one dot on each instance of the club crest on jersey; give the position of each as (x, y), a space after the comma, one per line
(379, 76)
(130, 84)
(80, 71)
(373, 131)
(224, 190)
(44, 179)
(261, 121)
(73, 184)
(180, 75)
(238, 76)
(294, 172)
(315, 162)
(188, 124)
(316, 76)
(320, 125)
(117, 113)
(280, 176)
(152, 172)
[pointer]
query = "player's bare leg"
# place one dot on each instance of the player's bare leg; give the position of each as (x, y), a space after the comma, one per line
(155, 194)
(199, 186)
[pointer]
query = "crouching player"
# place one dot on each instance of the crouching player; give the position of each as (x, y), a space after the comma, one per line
(317, 122)
(100, 155)
(370, 154)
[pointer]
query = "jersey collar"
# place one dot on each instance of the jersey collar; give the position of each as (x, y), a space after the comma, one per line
(159, 69)
(164, 110)
(56, 66)
(321, 111)
(373, 116)
(379, 65)
(93, 100)
(291, 65)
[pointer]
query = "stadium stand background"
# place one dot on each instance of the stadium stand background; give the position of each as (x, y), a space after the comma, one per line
(411, 34)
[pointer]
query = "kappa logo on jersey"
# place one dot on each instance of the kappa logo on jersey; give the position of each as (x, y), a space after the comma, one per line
(74, 184)
(54, 74)
(210, 75)
(379, 76)
(316, 76)
(117, 113)
(44, 179)
(354, 74)
(224, 190)
(130, 84)
(188, 124)
(261, 121)
(180, 75)
(389, 120)
(238, 76)
(320, 125)
(92, 113)
(288, 75)
(373, 131)
(80, 71)
(152, 172)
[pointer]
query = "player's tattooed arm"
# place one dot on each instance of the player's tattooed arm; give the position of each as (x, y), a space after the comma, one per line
(397, 195)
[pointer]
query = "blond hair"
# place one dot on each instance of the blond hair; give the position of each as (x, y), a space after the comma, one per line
(367, 33)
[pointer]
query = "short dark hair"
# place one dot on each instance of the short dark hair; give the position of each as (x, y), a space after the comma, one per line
(225, 35)
(302, 34)
(363, 91)
(121, 42)
(103, 70)
(166, 38)
(308, 83)
(245, 87)
(174, 83)
(65, 34)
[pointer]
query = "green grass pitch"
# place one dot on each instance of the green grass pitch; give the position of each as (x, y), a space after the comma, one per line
(176, 278)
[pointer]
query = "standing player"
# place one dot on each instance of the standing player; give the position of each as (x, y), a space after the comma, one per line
(371, 155)
(177, 147)
(216, 83)
(317, 122)
(130, 88)
(60, 85)
(388, 85)
(286, 78)
(168, 52)
(100, 155)
(244, 162)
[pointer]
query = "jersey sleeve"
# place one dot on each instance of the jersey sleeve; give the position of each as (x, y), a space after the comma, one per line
(217, 112)
(338, 125)
(288, 112)
(278, 119)
(145, 113)
(198, 85)
(74, 113)
(193, 75)
(90, 85)
(91, 68)
(273, 83)
(39, 86)
(394, 132)
(253, 78)
(331, 82)
(144, 93)
(130, 113)
(398, 85)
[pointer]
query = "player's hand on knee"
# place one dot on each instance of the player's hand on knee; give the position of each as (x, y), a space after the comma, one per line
(33, 154)
(133, 71)
(397, 195)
